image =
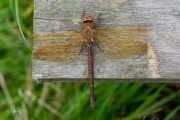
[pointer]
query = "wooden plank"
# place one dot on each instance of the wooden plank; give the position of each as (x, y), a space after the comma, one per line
(161, 18)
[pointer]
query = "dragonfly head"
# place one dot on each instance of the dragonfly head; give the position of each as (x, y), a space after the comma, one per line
(87, 18)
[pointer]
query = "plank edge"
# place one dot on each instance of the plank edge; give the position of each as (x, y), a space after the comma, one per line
(132, 80)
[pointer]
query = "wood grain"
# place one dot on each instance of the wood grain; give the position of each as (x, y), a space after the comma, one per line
(161, 63)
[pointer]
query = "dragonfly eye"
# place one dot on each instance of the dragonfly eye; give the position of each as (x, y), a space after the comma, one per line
(87, 21)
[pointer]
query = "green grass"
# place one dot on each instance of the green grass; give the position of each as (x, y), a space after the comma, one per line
(67, 101)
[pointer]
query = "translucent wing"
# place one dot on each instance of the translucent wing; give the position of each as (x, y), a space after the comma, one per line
(122, 43)
(64, 46)
(115, 43)
(133, 33)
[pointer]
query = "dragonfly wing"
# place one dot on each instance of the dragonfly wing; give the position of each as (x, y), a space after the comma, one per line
(134, 33)
(121, 48)
(122, 43)
(61, 52)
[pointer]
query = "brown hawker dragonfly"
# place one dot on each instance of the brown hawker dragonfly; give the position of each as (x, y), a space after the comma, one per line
(111, 43)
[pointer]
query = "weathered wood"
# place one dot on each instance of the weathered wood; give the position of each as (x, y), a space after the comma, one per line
(161, 63)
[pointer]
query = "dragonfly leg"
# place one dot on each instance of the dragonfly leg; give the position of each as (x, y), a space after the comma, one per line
(82, 48)
(83, 14)
(97, 45)
(98, 19)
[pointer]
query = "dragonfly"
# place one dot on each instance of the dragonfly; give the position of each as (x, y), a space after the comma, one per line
(111, 44)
